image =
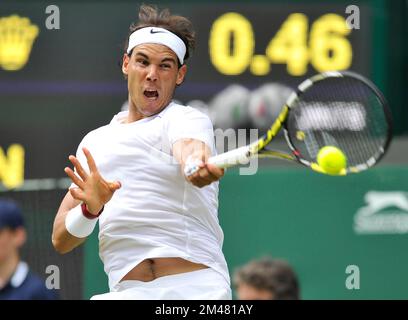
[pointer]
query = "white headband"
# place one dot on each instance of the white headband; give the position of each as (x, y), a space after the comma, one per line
(160, 36)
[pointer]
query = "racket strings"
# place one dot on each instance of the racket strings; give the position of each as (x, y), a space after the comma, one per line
(358, 148)
(341, 111)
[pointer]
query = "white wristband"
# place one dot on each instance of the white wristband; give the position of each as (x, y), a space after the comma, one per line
(77, 224)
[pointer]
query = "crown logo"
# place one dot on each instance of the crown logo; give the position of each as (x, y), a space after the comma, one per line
(17, 36)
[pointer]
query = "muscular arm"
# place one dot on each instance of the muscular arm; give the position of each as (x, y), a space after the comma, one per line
(190, 149)
(62, 240)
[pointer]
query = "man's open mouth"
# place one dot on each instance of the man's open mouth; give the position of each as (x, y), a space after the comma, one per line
(151, 94)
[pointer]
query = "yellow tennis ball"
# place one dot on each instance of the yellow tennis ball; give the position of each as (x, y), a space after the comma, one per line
(331, 159)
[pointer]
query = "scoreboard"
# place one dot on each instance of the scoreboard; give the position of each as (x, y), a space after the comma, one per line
(71, 82)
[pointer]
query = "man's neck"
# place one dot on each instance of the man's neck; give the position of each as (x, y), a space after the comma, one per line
(7, 269)
(135, 115)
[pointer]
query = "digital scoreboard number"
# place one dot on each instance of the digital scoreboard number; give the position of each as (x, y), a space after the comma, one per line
(284, 42)
(323, 44)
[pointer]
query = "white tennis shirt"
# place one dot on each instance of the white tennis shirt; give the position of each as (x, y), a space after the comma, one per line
(156, 213)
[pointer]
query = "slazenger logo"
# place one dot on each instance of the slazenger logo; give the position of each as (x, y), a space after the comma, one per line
(385, 212)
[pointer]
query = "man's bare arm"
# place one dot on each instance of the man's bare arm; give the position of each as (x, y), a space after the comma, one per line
(62, 240)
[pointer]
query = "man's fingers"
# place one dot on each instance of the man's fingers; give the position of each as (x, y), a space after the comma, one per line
(201, 178)
(90, 160)
(115, 185)
(74, 178)
(210, 171)
(81, 172)
(206, 180)
(77, 194)
(215, 171)
(205, 174)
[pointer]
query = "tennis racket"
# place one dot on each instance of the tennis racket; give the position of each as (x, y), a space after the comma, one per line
(340, 109)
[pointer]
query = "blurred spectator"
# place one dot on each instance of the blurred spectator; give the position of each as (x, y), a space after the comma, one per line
(17, 282)
(266, 279)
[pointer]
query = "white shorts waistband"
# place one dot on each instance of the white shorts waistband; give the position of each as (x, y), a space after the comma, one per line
(203, 276)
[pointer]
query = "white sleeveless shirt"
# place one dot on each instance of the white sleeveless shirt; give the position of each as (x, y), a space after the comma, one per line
(156, 213)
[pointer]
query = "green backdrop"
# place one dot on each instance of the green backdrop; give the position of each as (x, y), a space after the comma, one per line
(308, 219)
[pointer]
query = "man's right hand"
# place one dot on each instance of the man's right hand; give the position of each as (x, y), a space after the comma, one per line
(92, 188)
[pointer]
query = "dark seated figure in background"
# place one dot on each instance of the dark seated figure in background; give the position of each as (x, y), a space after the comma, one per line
(17, 282)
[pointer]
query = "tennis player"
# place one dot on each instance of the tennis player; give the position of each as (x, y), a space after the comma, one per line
(159, 235)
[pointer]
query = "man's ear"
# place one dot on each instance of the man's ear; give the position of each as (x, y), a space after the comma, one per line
(181, 74)
(20, 236)
(125, 64)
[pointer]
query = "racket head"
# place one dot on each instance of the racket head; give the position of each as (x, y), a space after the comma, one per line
(341, 109)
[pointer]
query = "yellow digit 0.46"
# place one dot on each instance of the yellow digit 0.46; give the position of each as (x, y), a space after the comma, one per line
(231, 45)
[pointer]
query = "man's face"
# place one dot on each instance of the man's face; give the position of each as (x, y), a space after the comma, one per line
(153, 74)
(10, 242)
(246, 292)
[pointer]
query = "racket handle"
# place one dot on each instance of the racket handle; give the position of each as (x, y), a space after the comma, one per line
(223, 160)
(231, 158)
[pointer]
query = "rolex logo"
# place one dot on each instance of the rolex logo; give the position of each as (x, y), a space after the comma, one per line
(17, 36)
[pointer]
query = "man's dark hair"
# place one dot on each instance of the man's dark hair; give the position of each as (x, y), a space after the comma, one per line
(151, 16)
(273, 275)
